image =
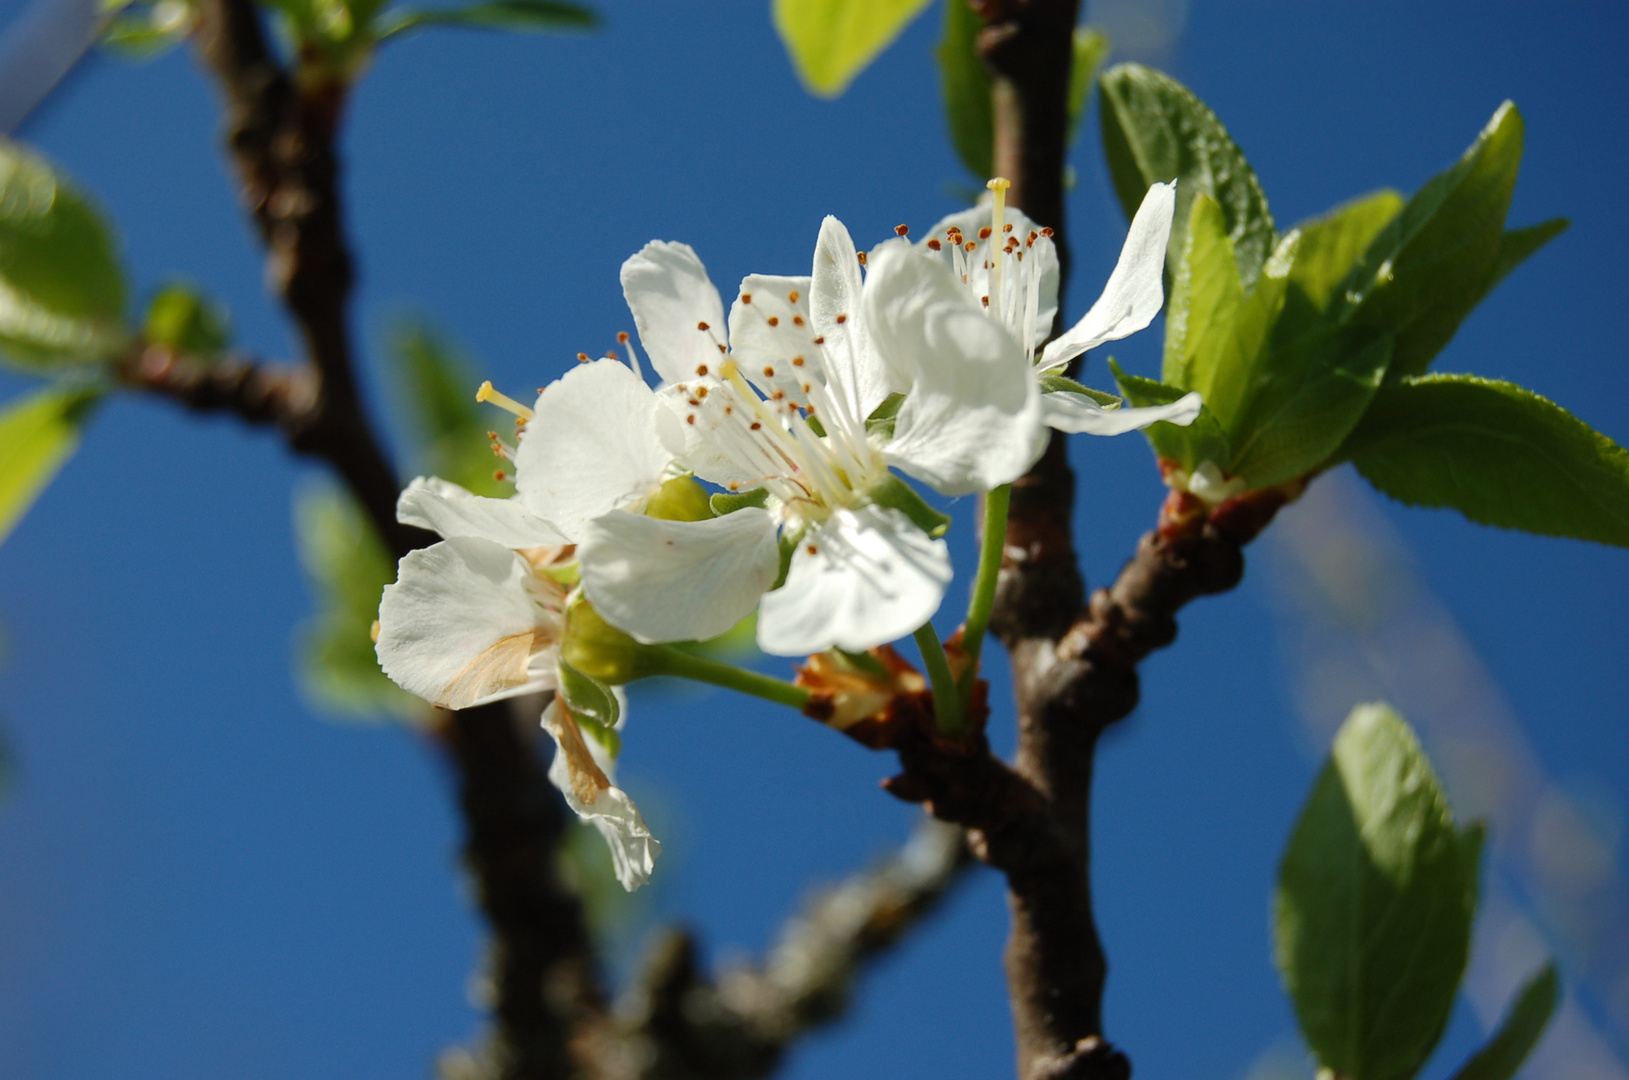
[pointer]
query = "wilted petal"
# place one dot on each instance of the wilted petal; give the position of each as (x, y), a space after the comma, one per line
(461, 625)
(678, 580)
(859, 580)
(445, 508)
(1079, 414)
(858, 378)
(593, 447)
(1135, 290)
(676, 309)
(971, 420)
(592, 797)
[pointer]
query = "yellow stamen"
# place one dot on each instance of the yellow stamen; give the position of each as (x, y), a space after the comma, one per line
(503, 401)
(998, 210)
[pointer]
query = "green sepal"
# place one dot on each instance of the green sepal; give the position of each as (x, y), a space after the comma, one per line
(1375, 899)
(601, 651)
(37, 435)
(1155, 130)
(594, 705)
(896, 494)
(680, 499)
(1053, 383)
(1497, 453)
(1190, 446)
(728, 502)
(881, 421)
(184, 320)
(1518, 1033)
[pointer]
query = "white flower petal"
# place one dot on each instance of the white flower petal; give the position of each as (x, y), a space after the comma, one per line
(1135, 291)
(1043, 253)
(461, 626)
(592, 797)
(861, 579)
(1079, 414)
(971, 420)
(593, 447)
(772, 336)
(694, 442)
(678, 580)
(445, 508)
(670, 295)
(856, 376)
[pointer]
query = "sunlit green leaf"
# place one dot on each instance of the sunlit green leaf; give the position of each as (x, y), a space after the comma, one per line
(62, 290)
(1191, 445)
(1206, 295)
(37, 434)
(1434, 261)
(1499, 454)
(1519, 1033)
(1091, 49)
(348, 568)
(1329, 247)
(185, 320)
(966, 88)
(832, 41)
(511, 16)
(1376, 894)
(1156, 130)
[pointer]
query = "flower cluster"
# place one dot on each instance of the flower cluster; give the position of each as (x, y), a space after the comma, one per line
(795, 410)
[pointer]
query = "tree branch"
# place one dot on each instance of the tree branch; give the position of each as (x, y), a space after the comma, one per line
(679, 1026)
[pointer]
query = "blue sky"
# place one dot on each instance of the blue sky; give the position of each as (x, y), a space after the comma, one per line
(200, 874)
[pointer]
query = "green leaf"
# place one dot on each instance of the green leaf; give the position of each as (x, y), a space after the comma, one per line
(1304, 407)
(62, 290)
(1206, 296)
(1091, 49)
(966, 88)
(1330, 246)
(509, 16)
(723, 502)
(1434, 261)
(437, 395)
(898, 495)
(1498, 454)
(144, 31)
(186, 321)
(1519, 1033)
(1190, 446)
(1375, 898)
(1155, 130)
(348, 568)
(1518, 245)
(37, 434)
(832, 41)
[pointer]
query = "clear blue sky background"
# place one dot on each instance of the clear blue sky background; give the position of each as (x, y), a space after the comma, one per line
(200, 875)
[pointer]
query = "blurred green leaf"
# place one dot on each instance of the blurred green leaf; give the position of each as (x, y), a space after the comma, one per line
(1519, 1033)
(1190, 446)
(438, 397)
(1091, 49)
(511, 16)
(37, 434)
(1518, 245)
(186, 321)
(142, 31)
(832, 41)
(349, 569)
(1499, 454)
(1432, 263)
(62, 290)
(966, 88)
(1375, 899)
(1156, 130)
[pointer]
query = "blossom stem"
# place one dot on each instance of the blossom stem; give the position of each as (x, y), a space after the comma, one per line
(947, 699)
(982, 602)
(683, 665)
